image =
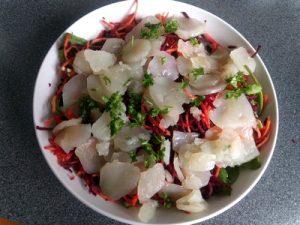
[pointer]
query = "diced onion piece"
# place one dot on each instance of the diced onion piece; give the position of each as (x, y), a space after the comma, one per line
(66, 123)
(181, 138)
(193, 202)
(147, 211)
(103, 148)
(94, 88)
(240, 57)
(129, 138)
(100, 128)
(118, 179)
(88, 156)
(73, 136)
(136, 50)
(177, 169)
(194, 181)
(151, 181)
(232, 113)
(113, 45)
(99, 60)
(163, 65)
(74, 89)
(189, 27)
(167, 151)
(175, 191)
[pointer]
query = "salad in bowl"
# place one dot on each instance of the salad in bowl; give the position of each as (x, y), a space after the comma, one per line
(154, 112)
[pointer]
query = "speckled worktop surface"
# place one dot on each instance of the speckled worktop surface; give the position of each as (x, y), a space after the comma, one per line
(31, 194)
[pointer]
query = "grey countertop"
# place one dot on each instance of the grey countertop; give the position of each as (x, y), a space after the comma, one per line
(31, 194)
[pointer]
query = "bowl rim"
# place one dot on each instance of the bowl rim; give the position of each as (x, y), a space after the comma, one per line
(204, 218)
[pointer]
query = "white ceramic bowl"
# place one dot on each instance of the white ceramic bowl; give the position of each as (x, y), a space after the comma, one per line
(88, 27)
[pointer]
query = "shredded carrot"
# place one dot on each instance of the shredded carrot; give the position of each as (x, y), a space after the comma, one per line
(128, 21)
(53, 103)
(261, 143)
(265, 100)
(217, 171)
(212, 41)
(162, 17)
(189, 94)
(187, 122)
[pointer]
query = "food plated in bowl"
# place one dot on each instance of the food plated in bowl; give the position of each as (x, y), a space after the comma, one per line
(155, 111)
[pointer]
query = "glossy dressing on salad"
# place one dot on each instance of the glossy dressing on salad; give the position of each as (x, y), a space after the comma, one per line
(155, 113)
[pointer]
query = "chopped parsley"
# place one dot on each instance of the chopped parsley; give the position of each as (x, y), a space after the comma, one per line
(106, 80)
(167, 201)
(249, 90)
(132, 156)
(163, 60)
(86, 104)
(229, 175)
(152, 31)
(197, 72)
(156, 111)
(183, 85)
(171, 26)
(137, 117)
(196, 102)
(148, 80)
(128, 81)
(114, 106)
(153, 156)
(194, 41)
(238, 78)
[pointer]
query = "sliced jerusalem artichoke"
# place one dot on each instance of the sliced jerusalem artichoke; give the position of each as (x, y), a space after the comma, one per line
(135, 50)
(66, 123)
(90, 61)
(73, 136)
(118, 179)
(151, 181)
(189, 27)
(100, 128)
(147, 211)
(74, 89)
(193, 202)
(88, 156)
(113, 45)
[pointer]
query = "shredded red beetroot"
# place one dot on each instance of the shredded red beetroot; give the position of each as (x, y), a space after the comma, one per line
(256, 51)
(70, 162)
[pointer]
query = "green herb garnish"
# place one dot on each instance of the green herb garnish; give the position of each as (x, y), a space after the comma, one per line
(132, 156)
(156, 111)
(86, 104)
(236, 79)
(128, 81)
(153, 156)
(171, 26)
(163, 60)
(197, 72)
(115, 108)
(137, 117)
(197, 101)
(194, 41)
(148, 80)
(106, 80)
(252, 164)
(167, 201)
(152, 31)
(183, 85)
(229, 175)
